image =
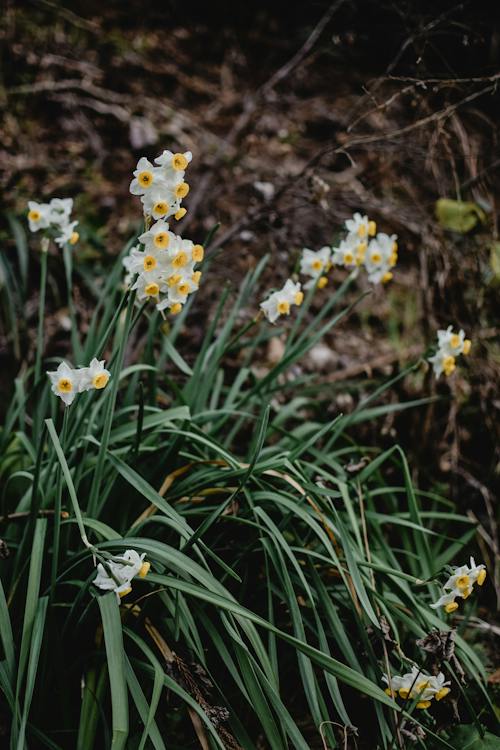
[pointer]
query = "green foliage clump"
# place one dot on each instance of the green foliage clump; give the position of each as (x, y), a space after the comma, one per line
(290, 567)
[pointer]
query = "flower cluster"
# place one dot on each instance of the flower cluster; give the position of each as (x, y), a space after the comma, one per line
(55, 215)
(449, 346)
(460, 585)
(68, 381)
(280, 302)
(163, 264)
(416, 685)
(162, 188)
(117, 574)
(377, 255)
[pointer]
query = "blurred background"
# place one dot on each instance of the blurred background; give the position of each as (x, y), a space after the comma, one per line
(298, 114)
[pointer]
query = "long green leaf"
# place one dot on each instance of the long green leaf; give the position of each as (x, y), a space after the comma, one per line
(113, 639)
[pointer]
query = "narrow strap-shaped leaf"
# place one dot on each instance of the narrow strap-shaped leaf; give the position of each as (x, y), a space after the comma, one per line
(92, 699)
(36, 644)
(146, 712)
(176, 358)
(341, 671)
(6, 636)
(113, 639)
(32, 593)
(210, 520)
(69, 481)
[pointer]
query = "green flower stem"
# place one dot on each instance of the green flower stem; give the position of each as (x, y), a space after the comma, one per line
(242, 332)
(57, 508)
(83, 413)
(110, 407)
(41, 308)
(75, 341)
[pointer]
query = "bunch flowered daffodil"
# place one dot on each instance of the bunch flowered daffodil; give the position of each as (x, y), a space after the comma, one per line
(162, 188)
(449, 346)
(280, 302)
(416, 685)
(165, 267)
(361, 226)
(316, 264)
(363, 247)
(380, 257)
(460, 585)
(68, 381)
(117, 574)
(55, 215)
(164, 262)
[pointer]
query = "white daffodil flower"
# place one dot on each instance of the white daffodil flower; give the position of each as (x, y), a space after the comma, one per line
(417, 685)
(158, 237)
(180, 285)
(95, 376)
(168, 304)
(160, 203)
(173, 164)
(447, 601)
(459, 580)
(460, 584)
(147, 261)
(477, 573)
(56, 215)
(394, 684)
(38, 215)
(60, 210)
(453, 343)
(314, 263)
(438, 686)
(150, 285)
(361, 226)
(118, 573)
(179, 292)
(381, 256)
(68, 234)
(319, 283)
(180, 257)
(280, 302)
(65, 382)
(349, 252)
(442, 362)
(465, 576)
(145, 177)
(165, 201)
(450, 346)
